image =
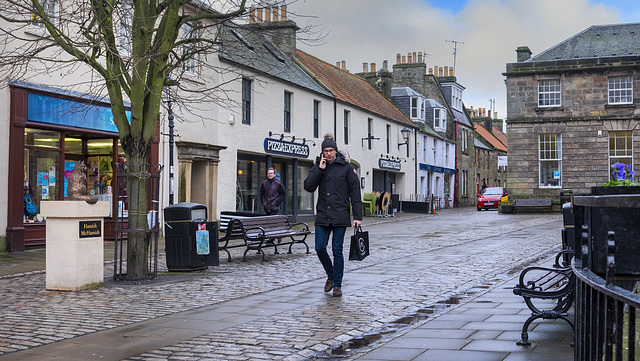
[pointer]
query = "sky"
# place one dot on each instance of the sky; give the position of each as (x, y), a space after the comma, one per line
(487, 33)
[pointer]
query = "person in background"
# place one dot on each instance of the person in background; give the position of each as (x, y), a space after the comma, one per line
(272, 193)
(338, 193)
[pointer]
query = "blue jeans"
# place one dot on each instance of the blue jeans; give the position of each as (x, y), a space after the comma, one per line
(336, 270)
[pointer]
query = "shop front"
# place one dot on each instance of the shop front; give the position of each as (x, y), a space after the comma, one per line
(291, 162)
(50, 132)
(438, 183)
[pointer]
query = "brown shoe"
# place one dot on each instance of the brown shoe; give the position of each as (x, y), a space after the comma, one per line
(328, 285)
(337, 292)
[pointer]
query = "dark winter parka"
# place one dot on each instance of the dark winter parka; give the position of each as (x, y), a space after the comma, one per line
(337, 184)
(272, 193)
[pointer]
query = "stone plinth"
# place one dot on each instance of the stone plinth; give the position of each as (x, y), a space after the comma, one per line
(75, 249)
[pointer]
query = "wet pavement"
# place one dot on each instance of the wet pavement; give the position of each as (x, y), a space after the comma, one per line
(435, 287)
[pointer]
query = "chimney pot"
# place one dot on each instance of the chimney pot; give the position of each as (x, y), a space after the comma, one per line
(338, 64)
(440, 72)
(446, 71)
(385, 65)
(267, 15)
(420, 57)
(275, 14)
(344, 65)
(404, 60)
(398, 58)
(415, 58)
(283, 12)
(373, 67)
(259, 19)
(451, 73)
(430, 71)
(435, 70)
(252, 16)
(365, 67)
(409, 58)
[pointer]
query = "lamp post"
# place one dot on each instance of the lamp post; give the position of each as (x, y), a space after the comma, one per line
(405, 135)
(168, 82)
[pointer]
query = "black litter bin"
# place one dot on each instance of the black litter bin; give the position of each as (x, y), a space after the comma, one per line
(191, 242)
(565, 196)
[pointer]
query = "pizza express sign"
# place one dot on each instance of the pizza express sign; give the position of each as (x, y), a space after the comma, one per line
(276, 146)
(385, 163)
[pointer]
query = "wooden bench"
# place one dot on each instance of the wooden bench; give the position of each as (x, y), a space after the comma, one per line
(555, 283)
(258, 232)
(532, 203)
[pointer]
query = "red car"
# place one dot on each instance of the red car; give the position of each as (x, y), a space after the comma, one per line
(490, 197)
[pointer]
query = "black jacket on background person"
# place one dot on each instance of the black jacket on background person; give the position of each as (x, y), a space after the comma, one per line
(272, 193)
(337, 184)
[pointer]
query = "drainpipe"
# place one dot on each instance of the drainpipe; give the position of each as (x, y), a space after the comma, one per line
(455, 177)
(335, 120)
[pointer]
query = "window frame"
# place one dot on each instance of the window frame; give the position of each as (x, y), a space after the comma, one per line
(316, 118)
(549, 93)
(347, 117)
(246, 101)
(549, 151)
(288, 98)
(191, 63)
(624, 138)
(619, 91)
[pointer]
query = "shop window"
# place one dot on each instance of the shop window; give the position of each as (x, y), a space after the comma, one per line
(305, 199)
(41, 159)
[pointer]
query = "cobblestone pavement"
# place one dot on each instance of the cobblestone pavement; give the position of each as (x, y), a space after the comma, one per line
(410, 278)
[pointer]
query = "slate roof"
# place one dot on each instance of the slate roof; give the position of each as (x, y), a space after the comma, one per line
(486, 135)
(478, 144)
(597, 41)
(351, 89)
(461, 117)
(249, 49)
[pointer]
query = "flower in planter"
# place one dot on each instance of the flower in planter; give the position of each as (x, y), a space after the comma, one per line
(621, 175)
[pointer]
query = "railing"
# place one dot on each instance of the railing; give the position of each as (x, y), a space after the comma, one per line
(606, 300)
(151, 175)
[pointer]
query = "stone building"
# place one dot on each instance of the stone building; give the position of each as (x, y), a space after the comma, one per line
(572, 111)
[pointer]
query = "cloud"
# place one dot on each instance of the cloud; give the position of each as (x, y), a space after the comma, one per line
(489, 31)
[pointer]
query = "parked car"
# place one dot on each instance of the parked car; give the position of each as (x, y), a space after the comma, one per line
(490, 197)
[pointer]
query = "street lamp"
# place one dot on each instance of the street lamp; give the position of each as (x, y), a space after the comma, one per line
(405, 135)
(168, 82)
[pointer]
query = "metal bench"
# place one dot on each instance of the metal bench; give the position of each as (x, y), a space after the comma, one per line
(258, 232)
(532, 203)
(555, 283)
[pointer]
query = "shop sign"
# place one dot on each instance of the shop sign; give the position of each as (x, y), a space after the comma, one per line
(276, 146)
(90, 229)
(385, 163)
(433, 168)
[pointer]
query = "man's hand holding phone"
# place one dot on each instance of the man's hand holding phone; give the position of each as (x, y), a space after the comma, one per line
(323, 162)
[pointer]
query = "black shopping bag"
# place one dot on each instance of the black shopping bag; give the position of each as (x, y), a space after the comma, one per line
(359, 248)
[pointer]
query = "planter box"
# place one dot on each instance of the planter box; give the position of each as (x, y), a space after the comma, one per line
(607, 209)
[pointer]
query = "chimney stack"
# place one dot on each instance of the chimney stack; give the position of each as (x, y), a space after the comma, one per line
(523, 53)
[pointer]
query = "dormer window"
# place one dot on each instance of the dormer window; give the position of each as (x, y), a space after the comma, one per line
(439, 119)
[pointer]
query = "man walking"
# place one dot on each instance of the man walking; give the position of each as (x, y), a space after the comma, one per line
(272, 193)
(338, 192)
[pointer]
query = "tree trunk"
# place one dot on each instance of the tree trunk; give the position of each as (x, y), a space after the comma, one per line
(139, 235)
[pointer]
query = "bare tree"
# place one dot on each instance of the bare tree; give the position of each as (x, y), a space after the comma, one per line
(127, 48)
